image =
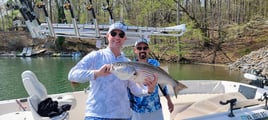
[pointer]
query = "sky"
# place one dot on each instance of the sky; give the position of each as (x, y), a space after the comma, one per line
(2, 2)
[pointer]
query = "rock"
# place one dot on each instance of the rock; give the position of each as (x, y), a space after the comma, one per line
(256, 60)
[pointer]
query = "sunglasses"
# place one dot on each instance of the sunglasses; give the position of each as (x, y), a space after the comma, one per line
(143, 48)
(121, 34)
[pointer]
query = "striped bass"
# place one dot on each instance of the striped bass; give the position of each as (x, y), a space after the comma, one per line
(137, 72)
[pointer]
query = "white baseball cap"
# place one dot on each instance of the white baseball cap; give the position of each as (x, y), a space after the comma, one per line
(117, 26)
(142, 40)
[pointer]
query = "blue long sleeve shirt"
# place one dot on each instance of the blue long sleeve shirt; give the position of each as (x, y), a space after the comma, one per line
(151, 103)
(108, 95)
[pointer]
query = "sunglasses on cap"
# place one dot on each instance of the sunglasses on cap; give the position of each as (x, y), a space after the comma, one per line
(143, 48)
(121, 34)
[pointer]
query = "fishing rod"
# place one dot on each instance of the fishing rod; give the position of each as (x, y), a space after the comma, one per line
(27, 11)
(41, 5)
(90, 8)
(21, 9)
(32, 22)
(108, 8)
(67, 5)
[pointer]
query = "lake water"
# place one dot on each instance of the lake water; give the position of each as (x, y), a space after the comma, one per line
(53, 71)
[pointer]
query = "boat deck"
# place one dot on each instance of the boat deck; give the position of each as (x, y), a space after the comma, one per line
(201, 99)
(181, 103)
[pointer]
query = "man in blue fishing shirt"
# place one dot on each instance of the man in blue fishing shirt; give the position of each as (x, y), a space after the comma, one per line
(148, 107)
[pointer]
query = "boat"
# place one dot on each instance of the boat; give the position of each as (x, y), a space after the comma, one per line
(257, 79)
(202, 100)
(26, 52)
(29, 52)
(65, 54)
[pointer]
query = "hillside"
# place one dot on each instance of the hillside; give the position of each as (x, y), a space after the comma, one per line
(242, 40)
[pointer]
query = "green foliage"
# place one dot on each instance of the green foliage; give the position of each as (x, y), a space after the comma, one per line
(202, 23)
(83, 18)
(234, 31)
(262, 38)
(162, 47)
(244, 51)
(59, 43)
(128, 51)
(193, 33)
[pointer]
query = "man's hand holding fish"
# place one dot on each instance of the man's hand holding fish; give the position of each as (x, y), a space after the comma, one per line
(151, 83)
(103, 71)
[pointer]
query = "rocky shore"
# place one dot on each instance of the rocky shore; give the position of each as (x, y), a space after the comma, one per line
(256, 60)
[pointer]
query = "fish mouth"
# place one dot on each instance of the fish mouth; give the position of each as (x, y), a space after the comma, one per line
(111, 68)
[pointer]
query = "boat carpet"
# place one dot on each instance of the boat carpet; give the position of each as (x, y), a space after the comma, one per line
(212, 105)
(182, 102)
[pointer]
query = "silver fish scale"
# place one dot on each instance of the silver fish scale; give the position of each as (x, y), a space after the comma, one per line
(149, 70)
(138, 71)
(146, 73)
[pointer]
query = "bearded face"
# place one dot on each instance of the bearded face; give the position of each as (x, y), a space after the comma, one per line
(142, 51)
(142, 55)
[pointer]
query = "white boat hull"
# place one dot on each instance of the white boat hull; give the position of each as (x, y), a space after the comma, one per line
(199, 101)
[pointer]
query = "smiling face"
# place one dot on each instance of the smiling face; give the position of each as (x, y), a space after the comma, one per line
(142, 51)
(116, 39)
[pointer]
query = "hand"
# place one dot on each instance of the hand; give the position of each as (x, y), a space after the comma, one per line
(103, 71)
(170, 105)
(151, 83)
(74, 84)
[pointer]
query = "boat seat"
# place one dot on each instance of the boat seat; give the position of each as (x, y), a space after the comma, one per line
(212, 105)
(33, 102)
(37, 93)
(34, 87)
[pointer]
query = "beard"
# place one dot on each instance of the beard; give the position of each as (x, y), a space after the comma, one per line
(142, 55)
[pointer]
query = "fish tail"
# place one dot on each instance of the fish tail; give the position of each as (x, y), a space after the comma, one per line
(178, 88)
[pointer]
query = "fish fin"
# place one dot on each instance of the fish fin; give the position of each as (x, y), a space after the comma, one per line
(178, 88)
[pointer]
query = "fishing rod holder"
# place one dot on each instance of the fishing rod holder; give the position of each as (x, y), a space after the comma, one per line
(265, 97)
(232, 104)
